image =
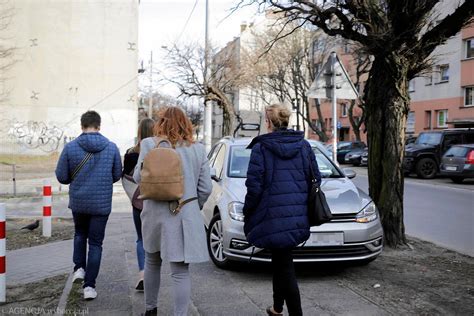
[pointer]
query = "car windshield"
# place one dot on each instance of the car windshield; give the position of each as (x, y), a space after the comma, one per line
(428, 139)
(240, 157)
(456, 151)
(239, 161)
(326, 167)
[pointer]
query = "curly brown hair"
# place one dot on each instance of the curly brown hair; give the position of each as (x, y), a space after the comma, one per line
(175, 126)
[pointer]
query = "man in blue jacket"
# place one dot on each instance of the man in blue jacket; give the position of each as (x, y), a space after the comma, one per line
(90, 164)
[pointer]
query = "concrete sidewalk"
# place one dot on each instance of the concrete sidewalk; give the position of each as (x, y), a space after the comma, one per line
(40, 262)
(246, 290)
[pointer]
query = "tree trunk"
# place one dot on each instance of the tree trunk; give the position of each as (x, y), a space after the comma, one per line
(386, 102)
(355, 125)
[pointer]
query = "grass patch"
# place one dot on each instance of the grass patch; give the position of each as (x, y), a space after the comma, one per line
(75, 300)
(29, 159)
(40, 297)
(62, 229)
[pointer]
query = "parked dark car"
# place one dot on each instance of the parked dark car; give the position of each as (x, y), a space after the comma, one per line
(345, 147)
(458, 163)
(424, 156)
(355, 156)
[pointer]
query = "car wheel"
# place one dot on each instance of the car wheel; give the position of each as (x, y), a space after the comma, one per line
(457, 179)
(356, 163)
(215, 242)
(426, 168)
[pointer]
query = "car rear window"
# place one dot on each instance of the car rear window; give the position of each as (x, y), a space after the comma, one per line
(457, 151)
(428, 139)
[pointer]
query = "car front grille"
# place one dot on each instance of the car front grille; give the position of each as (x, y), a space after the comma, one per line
(346, 217)
(331, 252)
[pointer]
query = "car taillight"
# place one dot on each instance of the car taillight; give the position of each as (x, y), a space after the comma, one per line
(470, 158)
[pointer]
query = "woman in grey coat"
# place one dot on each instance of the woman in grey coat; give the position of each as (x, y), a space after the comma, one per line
(181, 238)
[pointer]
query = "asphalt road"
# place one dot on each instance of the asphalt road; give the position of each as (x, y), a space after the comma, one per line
(436, 211)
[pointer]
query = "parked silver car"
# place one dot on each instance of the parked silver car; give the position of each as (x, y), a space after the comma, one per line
(355, 233)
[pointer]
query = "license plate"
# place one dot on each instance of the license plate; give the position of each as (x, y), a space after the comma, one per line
(326, 239)
(451, 168)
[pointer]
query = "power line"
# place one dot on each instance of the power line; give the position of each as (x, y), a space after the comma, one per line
(187, 20)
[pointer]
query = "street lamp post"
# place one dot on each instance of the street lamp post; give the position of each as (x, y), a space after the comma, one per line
(207, 105)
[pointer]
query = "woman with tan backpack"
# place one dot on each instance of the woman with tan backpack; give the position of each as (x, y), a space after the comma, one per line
(172, 231)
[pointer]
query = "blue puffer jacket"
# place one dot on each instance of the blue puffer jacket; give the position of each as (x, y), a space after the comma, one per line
(278, 180)
(91, 191)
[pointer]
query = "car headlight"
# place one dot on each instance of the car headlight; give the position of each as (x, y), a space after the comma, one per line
(236, 211)
(368, 214)
(356, 156)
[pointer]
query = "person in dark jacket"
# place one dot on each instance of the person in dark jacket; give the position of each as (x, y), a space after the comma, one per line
(275, 209)
(145, 130)
(90, 195)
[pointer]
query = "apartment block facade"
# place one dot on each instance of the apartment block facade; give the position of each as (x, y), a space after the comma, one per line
(444, 97)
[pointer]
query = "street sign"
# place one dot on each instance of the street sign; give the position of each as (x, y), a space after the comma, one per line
(321, 86)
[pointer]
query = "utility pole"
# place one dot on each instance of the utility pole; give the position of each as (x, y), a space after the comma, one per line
(334, 106)
(150, 95)
(207, 105)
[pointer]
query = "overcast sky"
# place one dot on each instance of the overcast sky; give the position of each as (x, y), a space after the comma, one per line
(162, 21)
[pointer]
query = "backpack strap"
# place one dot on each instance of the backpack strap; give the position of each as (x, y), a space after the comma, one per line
(159, 141)
(180, 205)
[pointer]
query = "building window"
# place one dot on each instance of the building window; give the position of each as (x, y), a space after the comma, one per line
(442, 118)
(470, 48)
(344, 110)
(427, 119)
(443, 73)
(411, 123)
(469, 96)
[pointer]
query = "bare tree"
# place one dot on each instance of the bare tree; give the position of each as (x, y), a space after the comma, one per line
(286, 68)
(187, 64)
(400, 35)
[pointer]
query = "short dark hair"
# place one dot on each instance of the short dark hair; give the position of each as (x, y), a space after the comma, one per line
(90, 119)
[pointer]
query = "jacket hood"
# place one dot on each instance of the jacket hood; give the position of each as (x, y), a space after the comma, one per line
(284, 143)
(92, 142)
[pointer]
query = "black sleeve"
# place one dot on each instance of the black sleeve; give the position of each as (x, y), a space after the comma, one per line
(129, 162)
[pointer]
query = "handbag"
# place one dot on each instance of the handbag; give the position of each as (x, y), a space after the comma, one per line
(132, 190)
(318, 208)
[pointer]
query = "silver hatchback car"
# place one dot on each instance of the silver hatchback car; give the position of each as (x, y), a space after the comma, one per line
(354, 234)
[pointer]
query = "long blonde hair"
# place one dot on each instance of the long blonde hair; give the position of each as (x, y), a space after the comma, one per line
(279, 115)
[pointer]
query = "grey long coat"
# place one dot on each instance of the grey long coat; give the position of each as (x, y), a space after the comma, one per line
(181, 237)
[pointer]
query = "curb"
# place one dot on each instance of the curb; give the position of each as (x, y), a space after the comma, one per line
(64, 296)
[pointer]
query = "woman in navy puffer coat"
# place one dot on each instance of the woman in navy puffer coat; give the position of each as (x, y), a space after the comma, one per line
(278, 181)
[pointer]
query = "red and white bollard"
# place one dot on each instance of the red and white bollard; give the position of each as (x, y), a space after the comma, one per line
(3, 262)
(47, 202)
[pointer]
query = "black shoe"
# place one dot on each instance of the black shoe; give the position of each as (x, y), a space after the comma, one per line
(271, 312)
(151, 312)
(140, 286)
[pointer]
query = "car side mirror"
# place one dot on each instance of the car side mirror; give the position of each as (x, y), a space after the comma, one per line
(214, 175)
(351, 174)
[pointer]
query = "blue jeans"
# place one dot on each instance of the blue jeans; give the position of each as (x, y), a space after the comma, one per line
(138, 227)
(88, 228)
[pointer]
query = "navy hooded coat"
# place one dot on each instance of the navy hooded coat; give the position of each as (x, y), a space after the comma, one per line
(91, 191)
(278, 181)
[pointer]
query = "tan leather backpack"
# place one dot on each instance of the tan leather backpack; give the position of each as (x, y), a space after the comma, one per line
(162, 177)
(162, 174)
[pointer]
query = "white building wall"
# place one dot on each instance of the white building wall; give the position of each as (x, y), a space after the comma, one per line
(72, 56)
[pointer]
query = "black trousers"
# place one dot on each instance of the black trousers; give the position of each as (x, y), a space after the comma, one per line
(285, 287)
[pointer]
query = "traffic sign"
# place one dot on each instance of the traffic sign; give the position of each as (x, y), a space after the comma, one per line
(322, 86)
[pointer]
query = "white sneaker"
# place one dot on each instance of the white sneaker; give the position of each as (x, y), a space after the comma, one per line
(89, 293)
(78, 275)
